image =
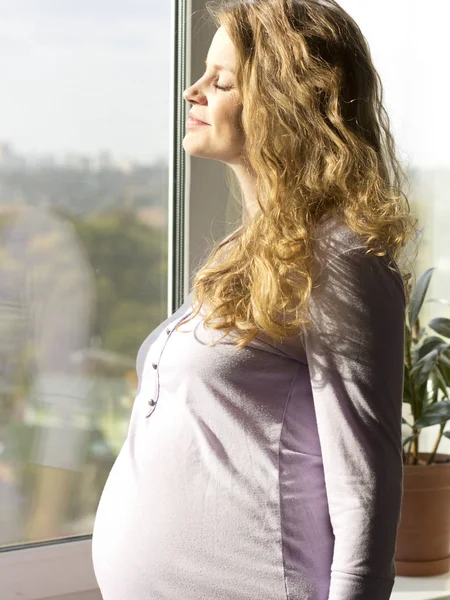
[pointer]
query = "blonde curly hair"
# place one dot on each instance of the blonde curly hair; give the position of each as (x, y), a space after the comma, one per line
(323, 145)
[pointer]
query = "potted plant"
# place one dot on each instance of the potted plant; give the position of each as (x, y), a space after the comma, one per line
(423, 541)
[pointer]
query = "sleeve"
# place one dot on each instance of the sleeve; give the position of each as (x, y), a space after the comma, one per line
(355, 352)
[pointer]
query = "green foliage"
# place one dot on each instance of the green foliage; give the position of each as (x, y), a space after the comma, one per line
(129, 262)
(426, 373)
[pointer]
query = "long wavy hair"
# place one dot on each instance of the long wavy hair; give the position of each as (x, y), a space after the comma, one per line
(323, 144)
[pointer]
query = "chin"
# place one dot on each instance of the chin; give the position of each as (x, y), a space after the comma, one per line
(194, 149)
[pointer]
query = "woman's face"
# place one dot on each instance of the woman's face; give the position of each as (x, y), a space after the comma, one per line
(222, 137)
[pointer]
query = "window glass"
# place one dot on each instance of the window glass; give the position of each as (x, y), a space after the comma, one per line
(83, 246)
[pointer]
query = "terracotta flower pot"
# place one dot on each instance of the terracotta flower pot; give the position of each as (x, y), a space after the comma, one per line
(423, 541)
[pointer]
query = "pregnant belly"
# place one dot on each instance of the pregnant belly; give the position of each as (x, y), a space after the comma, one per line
(167, 527)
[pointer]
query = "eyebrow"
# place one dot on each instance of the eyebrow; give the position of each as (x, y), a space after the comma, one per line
(219, 67)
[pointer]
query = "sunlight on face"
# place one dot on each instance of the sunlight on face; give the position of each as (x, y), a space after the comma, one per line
(215, 101)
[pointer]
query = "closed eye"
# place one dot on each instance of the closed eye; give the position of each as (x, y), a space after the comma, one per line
(225, 89)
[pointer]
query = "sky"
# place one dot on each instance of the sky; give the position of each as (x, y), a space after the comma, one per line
(92, 75)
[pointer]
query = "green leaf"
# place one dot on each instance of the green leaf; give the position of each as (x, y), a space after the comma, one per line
(421, 398)
(440, 380)
(445, 372)
(435, 386)
(444, 360)
(427, 358)
(434, 414)
(441, 326)
(423, 367)
(405, 422)
(447, 434)
(409, 438)
(418, 296)
(429, 344)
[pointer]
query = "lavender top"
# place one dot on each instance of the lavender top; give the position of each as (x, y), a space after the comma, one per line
(270, 472)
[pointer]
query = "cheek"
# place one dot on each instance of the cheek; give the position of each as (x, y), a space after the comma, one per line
(228, 123)
(225, 113)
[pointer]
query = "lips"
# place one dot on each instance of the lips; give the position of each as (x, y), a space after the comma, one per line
(195, 119)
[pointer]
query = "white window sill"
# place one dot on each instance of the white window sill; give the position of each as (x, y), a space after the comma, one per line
(57, 569)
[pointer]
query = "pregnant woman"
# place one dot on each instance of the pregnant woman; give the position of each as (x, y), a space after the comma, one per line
(263, 459)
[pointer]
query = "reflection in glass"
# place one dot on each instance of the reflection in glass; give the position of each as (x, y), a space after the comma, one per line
(83, 261)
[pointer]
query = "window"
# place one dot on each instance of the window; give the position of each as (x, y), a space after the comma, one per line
(85, 157)
(409, 50)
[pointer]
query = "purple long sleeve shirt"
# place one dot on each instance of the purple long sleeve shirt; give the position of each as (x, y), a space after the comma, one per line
(270, 472)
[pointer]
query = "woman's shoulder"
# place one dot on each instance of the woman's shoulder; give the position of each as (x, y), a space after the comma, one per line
(333, 237)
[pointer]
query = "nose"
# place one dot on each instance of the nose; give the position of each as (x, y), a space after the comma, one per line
(193, 96)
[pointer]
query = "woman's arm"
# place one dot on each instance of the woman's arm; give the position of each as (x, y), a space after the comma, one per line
(355, 352)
